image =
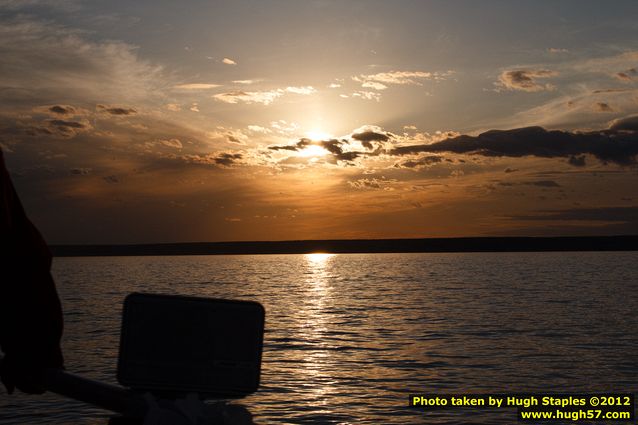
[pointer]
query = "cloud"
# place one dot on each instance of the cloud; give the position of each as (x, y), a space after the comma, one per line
(603, 107)
(625, 124)
(229, 135)
(608, 214)
(62, 109)
(300, 90)
(623, 77)
(113, 110)
(626, 76)
(422, 162)
(611, 145)
(62, 64)
(577, 161)
(196, 86)
(367, 135)
(610, 91)
(172, 143)
(227, 159)
(174, 107)
(245, 82)
(525, 80)
(333, 146)
(229, 61)
(58, 127)
(374, 85)
(263, 97)
(259, 129)
(380, 80)
(81, 171)
(557, 50)
(372, 183)
(367, 95)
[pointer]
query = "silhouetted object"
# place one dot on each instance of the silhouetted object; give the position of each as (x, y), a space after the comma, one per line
(173, 345)
(30, 311)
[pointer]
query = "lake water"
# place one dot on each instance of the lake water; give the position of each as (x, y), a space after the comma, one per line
(350, 336)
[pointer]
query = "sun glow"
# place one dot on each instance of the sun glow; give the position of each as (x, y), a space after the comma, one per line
(318, 135)
(312, 150)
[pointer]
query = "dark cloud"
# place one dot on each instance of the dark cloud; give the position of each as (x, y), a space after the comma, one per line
(59, 127)
(227, 159)
(66, 124)
(111, 179)
(625, 124)
(367, 137)
(421, 162)
(284, 148)
(620, 147)
(577, 161)
(333, 146)
(617, 214)
(117, 110)
(510, 170)
(62, 109)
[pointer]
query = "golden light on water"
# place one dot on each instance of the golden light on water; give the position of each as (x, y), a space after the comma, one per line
(318, 258)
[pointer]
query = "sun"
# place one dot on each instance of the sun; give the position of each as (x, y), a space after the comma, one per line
(317, 134)
(314, 149)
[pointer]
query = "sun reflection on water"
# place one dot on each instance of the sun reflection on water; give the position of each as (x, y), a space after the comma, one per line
(318, 258)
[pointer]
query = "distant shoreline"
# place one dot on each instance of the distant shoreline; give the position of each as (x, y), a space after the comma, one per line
(352, 246)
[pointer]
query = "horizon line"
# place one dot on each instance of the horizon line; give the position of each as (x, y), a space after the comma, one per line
(345, 246)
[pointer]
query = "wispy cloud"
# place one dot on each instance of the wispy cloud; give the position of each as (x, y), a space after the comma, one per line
(172, 143)
(263, 97)
(245, 82)
(556, 50)
(63, 64)
(196, 86)
(367, 95)
(229, 61)
(381, 80)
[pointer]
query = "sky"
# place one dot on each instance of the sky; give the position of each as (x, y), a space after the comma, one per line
(148, 122)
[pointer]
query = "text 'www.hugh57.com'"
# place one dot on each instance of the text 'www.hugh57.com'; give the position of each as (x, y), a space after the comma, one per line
(537, 407)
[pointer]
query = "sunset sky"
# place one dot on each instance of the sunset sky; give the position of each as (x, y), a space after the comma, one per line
(155, 121)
